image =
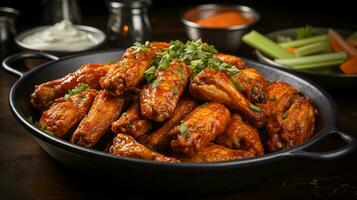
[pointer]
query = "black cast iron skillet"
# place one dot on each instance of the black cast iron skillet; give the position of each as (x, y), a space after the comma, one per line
(169, 177)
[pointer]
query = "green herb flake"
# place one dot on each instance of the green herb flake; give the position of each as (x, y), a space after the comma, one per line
(150, 74)
(183, 129)
(156, 82)
(151, 148)
(123, 114)
(233, 70)
(30, 119)
(175, 90)
(111, 61)
(235, 82)
(246, 79)
(272, 98)
(141, 47)
(254, 107)
(78, 89)
(283, 115)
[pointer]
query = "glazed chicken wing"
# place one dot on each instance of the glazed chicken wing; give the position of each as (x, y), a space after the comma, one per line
(65, 113)
(240, 135)
(125, 145)
(159, 99)
(199, 128)
(131, 122)
(218, 153)
(105, 109)
(213, 85)
(129, 71)
(291, 118)
(252, 84)
(160, 139)
(45, 93)
(230, 59)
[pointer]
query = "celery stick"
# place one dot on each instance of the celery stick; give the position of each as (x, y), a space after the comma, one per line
(302, 42)
(319, 64)
(266, 45)
(312, 59)
(312, 49)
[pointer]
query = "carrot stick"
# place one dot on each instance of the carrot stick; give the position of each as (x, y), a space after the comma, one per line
(291, 50)
(337, 43)
(350, 66)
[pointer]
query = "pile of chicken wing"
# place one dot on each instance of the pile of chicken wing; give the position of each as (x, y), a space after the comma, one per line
(181, 113)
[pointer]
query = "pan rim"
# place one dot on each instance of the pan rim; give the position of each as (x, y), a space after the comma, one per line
(76, 149)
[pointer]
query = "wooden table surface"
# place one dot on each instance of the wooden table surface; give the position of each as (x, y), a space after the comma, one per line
(27, 172)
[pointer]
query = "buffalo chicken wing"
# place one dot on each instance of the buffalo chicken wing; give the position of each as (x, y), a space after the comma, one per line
(105, 109)
(125, 145)
(159, 99)
(45, 93)
(67, 112)
(199, 128)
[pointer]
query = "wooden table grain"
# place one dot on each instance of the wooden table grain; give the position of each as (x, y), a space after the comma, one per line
(27, 172)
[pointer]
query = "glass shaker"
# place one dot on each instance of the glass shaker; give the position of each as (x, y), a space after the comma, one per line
(128, 22)
(7, 30)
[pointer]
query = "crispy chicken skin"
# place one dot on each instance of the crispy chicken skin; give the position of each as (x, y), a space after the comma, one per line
(253, 84)
(105, 109)
(125, 145)
(240, 135)
(160, 139)
(213, 85)
(159, 99)
(131, 122)
(217, 153)
(291, 118)
(45, 93)
(65, 113)
(129, 71)
(199, 128)
(230, 59)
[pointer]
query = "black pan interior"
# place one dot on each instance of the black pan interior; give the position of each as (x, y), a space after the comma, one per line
(20, 93)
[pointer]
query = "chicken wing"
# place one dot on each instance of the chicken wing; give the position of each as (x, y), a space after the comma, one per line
(125, 145)
(159, 99)
(230, 59)
(65, 113)
(131, 122)
(213, 85)
(218, 153)
(199, 128)
(240, 135)
(252, 84)
(129, 71)
(160, 139)
(45, 93)
(290, 117)
(105, 109)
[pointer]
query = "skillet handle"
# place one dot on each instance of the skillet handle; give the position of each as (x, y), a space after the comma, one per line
(8, 63)
(350, 145)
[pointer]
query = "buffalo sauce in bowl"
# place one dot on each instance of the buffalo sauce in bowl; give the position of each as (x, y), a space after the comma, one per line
(224, 19)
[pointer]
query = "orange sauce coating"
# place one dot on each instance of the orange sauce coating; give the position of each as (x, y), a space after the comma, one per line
(224, 19)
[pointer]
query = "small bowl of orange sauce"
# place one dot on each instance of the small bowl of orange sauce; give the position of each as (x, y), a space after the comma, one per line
(220, 25)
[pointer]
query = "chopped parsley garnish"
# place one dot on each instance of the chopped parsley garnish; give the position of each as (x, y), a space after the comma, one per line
(235, 82)
(156, 82)
(272, 98)
(175, 90)
(183, 129)
(141, 47)
(123, 114)
(196, 54)
(254, 107)
(283, 115)
(78, 89)
(150, 74)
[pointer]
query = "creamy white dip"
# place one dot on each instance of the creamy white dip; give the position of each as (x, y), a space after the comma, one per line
(62, 36)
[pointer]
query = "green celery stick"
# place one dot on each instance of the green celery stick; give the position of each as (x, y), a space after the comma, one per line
(312, 59)
(312, 49)
(302, 42)
(267, 46)
(319, 64)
